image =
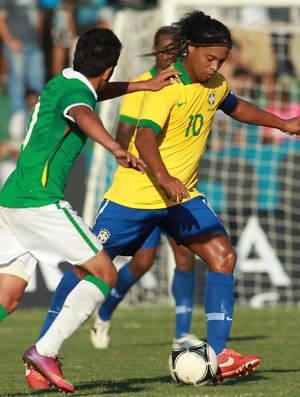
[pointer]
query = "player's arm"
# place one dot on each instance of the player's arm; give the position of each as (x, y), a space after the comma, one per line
(115, 89)
(124, 134)
(246, 112)
(90, 123)
(146, 145)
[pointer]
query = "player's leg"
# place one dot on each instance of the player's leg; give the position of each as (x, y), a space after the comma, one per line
(218, 299)
(128, 275)
(14, 277)
(120, 239)
(219, 302)
(13, 281)
(56, 224)
(71, 278)
(67, 283)
(99, 275)
(183, 289)
(208, 240)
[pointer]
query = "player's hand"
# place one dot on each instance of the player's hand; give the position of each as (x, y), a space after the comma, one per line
(167, 77)
(128, 160)
(292, 127)
(173, 188)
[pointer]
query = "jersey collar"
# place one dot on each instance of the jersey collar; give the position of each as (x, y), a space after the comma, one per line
(153, 71)
(70, 73)
(184, 78)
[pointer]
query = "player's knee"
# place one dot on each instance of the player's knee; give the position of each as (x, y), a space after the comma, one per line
(185, 260)
(227, 262)
(102, 267)
(107, 273)
(12, 287)
(11, 300)
(12, 305)
(111, 277)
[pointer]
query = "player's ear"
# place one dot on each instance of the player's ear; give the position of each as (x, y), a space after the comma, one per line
(191, 48)
(108, 73)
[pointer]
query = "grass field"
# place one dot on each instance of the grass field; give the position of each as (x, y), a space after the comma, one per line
(135, 365)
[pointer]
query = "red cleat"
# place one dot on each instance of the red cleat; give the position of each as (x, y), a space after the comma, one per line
(34, 379)
(232, 363)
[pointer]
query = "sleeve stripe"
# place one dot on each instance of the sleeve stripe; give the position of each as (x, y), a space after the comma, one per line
(150, 124)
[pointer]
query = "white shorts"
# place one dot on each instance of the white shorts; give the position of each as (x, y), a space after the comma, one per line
(51, 234)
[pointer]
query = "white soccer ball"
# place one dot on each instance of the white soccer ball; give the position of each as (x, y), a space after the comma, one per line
(193, 362)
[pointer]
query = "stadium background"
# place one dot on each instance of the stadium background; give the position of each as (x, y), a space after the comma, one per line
(252, 183)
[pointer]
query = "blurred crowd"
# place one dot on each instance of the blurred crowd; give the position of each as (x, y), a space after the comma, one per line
(38, 36)
(263, 67)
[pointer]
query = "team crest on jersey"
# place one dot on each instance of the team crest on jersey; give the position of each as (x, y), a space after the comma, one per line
(211, 99)
(104, 235)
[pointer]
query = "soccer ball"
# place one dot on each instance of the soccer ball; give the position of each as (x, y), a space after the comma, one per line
(193, 362)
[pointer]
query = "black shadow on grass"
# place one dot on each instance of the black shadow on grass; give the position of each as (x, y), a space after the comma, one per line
(132, 385)
(252, 377)
(136, 385)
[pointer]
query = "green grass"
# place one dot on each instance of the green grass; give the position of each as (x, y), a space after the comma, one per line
(135, 365)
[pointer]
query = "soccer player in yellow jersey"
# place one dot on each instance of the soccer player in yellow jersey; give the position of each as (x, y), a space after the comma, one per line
(171, 137)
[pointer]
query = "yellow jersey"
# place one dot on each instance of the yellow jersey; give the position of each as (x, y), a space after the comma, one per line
(181, 116)
(132, 103)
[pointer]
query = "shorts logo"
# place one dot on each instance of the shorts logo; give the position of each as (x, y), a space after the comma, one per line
(103, 235)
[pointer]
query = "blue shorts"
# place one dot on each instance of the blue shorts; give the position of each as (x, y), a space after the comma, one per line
(123, 230)
(154, 239)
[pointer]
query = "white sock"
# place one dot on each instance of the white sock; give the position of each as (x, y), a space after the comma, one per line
(78, 306)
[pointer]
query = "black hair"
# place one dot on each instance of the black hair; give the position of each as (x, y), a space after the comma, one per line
(163, 31)
(194, 28)
(96, 50)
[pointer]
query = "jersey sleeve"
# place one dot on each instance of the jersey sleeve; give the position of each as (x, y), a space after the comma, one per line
(156, 108)
(75, 97)
(132, 103)
(130, 108)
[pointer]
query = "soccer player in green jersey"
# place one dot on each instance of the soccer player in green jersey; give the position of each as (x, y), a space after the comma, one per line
(36, 222)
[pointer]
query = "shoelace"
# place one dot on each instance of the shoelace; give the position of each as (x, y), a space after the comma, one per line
(232, 352)
(58, 364)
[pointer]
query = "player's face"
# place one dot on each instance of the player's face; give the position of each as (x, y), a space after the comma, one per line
(163, 61)
(201, 63)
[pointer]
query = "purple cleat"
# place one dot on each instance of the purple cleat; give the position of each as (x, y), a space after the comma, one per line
(49, 367)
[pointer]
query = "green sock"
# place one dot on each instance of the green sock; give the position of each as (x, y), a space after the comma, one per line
(3, 313)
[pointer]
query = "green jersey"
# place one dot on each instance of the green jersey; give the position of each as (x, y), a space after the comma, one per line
(51, 144)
